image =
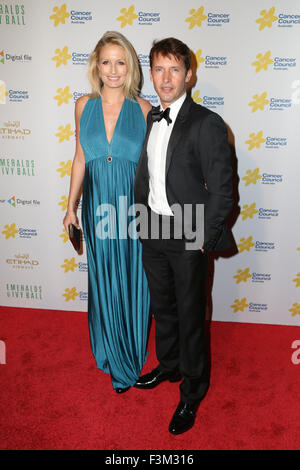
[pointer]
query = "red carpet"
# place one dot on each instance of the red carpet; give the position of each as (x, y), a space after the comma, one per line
(53, 397)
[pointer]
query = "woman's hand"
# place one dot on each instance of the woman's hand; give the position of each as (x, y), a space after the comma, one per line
(70, 219)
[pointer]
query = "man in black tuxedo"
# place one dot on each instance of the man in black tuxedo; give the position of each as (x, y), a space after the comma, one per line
(185, 162)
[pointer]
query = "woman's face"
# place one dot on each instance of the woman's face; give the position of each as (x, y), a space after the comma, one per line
(112, 66)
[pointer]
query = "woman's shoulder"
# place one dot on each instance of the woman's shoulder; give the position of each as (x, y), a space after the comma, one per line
(81, 101)
(145, 105)
(80, 104)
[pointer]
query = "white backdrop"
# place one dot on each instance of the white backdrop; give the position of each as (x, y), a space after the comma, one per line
(248, 71)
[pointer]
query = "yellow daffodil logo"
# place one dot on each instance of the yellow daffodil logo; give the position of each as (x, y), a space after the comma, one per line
(10, 231)
(196, 18)
(199, 57)
(3, 92)
(63, 95)
(242, 275)
(248, 211)
(259, 102)
(70, 294)
(69, 265)
(127, 16)
(267, 18)
(64, 236)
(295, 309)
(62, 56)
(263, 61)
(65, 168)
(255, 140)
(63, 203)
(239, 305)
(196, 97)
(297, 280)
(298, 249)
(245, 244)
(64, 133)
(251, 177)
(60, 15)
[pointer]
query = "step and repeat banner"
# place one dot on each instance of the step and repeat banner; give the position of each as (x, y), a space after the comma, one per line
(247, 70)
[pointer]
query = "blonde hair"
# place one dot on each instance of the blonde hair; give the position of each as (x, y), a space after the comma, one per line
(133, 78)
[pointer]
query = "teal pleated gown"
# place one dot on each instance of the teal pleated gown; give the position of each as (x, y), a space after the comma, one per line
(118, 297)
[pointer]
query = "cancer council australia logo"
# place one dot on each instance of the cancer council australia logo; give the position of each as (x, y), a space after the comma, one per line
(263, 61)
(65, 168)
(259, 102)
(196, 18)
(60, 15)
(239, 305)
(63, 95)
(10, 231)
(70, 294)
(295, 309)
(64, 133)
(3, 92)
(127, 16)
(255, 140)
(62, 56)
(267, 18)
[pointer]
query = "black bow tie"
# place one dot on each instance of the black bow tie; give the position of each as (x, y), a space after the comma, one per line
(158, 115)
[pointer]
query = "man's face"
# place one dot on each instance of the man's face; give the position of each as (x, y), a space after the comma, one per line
(169, 78)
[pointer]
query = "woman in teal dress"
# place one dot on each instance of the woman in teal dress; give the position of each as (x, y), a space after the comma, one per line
(110, 129)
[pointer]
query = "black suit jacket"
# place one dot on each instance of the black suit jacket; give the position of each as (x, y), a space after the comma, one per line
(198, 170)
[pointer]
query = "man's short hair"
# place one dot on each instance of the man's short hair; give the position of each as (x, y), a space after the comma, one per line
(171, 46)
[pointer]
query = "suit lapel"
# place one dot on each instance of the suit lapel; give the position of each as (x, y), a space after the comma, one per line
(178, 130)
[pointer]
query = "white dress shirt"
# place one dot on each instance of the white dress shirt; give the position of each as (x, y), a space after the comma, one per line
(157, 154)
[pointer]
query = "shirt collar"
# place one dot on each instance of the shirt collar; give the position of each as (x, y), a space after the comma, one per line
(175, 107)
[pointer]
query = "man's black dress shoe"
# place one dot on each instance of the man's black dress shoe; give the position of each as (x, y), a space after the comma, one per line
(155, 377)
(121, 390)
(183, 418)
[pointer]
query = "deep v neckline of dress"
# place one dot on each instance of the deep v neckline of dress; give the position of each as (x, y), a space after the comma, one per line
(117, 122)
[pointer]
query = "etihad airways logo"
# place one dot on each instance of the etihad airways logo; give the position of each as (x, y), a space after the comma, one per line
(197, 17)
(269, 17)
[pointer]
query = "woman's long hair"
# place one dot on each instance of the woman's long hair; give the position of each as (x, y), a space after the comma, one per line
(133, 78)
